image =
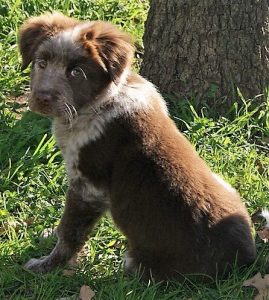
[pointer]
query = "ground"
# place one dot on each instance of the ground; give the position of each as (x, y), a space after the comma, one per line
(33, 180)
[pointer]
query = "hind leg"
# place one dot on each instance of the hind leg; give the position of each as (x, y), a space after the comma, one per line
(134, 267)
(148, 266)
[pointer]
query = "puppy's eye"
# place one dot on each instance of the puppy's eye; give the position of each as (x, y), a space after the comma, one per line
(76, 72)
(41, 63)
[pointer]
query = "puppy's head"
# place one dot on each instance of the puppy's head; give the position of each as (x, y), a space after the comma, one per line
(72, 61)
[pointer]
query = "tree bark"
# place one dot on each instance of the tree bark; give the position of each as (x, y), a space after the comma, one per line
(194, 47)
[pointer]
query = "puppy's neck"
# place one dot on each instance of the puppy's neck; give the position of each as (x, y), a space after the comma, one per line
(113, 89)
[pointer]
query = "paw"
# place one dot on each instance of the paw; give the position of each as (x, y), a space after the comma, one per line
(40, 265)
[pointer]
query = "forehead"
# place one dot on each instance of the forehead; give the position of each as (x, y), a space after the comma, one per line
(63, 47)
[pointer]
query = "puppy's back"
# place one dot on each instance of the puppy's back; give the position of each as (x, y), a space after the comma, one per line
(176, 213)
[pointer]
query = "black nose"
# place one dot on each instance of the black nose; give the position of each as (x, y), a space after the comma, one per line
(45, 97)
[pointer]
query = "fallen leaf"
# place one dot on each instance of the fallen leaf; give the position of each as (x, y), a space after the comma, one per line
(261, 284)
(263, 295)
(86, 293)
(256, 281)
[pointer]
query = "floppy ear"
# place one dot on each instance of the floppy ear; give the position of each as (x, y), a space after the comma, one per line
(115, 48)
(36, 29)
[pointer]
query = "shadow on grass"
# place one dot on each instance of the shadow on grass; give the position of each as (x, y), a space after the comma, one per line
(108, 284)
(20, 136)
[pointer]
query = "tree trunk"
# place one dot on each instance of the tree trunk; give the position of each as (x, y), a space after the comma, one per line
(196, 47)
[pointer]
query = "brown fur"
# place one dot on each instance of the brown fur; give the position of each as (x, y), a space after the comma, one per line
(110, 47)
(177, 219)
(37, 29)
(123, 152)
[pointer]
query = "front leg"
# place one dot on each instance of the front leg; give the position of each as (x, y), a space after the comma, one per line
(84, 206)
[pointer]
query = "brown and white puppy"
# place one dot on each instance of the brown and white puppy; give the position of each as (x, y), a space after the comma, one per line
(124, 153)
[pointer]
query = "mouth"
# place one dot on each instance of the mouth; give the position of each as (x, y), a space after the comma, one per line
(64, 111)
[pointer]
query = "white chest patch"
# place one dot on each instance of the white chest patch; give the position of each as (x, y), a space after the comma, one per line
(71, 140)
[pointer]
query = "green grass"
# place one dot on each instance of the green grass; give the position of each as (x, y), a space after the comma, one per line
(33, 181)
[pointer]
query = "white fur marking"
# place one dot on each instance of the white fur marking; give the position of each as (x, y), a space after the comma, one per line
(72, 35)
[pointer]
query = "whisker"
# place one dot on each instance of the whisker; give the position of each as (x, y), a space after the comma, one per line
(75, 113)
(66, 115)
(84, 75)
(68, 109)
(69, 115)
